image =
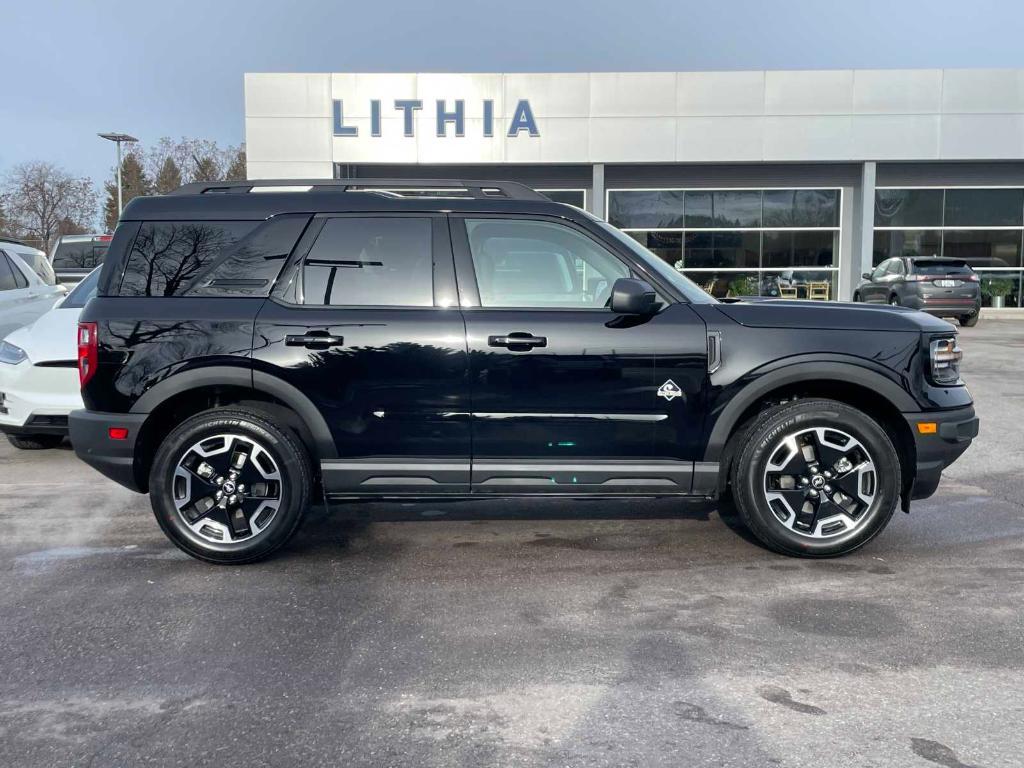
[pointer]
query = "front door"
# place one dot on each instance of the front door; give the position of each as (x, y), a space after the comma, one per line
(365, 324)
(565, 393)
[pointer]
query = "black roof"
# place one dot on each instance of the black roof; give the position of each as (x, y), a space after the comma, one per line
(239, 201)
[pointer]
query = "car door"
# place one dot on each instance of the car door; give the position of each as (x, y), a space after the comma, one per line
(565, 393)
(365, 323)
(22, 302)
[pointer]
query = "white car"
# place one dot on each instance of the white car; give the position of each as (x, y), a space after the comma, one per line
(27, 285)
(39, 384)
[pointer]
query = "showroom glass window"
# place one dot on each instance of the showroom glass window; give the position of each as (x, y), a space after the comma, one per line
(984, 226)
(738, 242)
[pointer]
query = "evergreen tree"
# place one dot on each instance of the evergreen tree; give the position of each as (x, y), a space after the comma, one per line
(134, 183)
(168, 178)
(206, 169)
(236, 169)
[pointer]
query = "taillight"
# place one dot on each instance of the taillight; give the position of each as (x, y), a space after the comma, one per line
(919, 278)
(87, 352)
(972, 278)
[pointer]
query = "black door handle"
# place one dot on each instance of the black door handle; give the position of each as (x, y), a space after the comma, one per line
(313, 340)
(518, 341)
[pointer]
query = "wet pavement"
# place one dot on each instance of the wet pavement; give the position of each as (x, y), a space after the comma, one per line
(648, 634)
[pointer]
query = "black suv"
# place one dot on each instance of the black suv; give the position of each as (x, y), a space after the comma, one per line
(249, 353)
(942, 287)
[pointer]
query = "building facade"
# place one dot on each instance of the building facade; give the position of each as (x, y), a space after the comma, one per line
(748, 182)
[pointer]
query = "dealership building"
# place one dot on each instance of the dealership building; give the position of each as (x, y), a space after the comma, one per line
(748, 182)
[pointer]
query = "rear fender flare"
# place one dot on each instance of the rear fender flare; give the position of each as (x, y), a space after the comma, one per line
(246, 378)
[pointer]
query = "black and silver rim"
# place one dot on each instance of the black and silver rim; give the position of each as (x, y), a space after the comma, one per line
(820, 482)
(227, 488)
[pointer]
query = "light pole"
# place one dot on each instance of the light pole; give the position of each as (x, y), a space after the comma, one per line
(118, 138)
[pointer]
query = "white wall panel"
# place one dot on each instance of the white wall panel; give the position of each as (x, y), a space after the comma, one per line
(720, 93)
(659, 117)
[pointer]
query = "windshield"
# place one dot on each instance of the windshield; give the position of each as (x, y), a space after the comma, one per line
(942, 268)
(82, 292)
(690, 290)
(83, 254)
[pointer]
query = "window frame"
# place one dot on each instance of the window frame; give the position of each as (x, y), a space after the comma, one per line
(469, 291)
(289, 286)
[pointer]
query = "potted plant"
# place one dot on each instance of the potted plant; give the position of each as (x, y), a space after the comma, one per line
(997, 289)
(740, 286)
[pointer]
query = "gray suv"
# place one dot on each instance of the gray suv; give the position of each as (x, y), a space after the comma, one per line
(941, 287)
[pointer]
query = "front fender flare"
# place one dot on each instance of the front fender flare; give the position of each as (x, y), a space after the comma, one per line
(862, 374)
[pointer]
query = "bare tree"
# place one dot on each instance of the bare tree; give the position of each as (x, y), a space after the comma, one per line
(43, 201)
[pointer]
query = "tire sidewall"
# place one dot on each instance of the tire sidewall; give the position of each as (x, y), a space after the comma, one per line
(763, 440)
(292, 464)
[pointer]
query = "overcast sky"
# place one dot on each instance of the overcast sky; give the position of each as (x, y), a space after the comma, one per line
(175, 68)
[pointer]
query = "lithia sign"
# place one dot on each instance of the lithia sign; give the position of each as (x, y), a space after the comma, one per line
(522, 118)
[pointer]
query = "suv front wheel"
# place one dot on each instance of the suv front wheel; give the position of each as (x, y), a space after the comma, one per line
(816, 478)
(229, 485)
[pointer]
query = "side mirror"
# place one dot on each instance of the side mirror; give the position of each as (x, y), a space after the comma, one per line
(866, 275)
(633, 297)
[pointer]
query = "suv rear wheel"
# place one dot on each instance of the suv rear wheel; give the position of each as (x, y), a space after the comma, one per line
(969, 321)
(230, 486)
(816, 478)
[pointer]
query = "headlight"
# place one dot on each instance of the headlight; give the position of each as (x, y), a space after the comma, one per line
(11, 354)
(945, 359)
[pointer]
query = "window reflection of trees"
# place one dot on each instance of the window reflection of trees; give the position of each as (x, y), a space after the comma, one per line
(165, 258)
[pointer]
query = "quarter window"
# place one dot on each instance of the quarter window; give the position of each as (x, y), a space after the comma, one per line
(539, 264)
(384, 261)
(167, 256)
(7, 272)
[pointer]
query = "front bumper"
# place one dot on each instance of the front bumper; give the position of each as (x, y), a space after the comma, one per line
(954, 431)
(36, 399)
(114, 458)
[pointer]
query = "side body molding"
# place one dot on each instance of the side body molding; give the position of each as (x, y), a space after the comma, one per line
(812, 368)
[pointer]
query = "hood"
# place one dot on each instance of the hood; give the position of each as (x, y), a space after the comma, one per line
(54, 336)
(794, 313)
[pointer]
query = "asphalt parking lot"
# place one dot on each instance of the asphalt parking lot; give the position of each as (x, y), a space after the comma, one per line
(648, 634)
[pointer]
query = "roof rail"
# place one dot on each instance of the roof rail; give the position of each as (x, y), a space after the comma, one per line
(477, 190)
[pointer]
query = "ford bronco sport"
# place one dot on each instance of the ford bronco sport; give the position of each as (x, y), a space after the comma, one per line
(254, 346)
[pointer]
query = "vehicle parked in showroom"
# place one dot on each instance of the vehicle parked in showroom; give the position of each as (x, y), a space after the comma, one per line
(345, 340)
(39, 384)
(939, 286)
(75, 256)
(24, 294)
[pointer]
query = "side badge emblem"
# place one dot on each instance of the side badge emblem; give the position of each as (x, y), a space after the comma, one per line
(669, 390)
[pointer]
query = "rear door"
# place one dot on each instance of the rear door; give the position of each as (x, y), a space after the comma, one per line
(565, 393)
(22, 298)
(365, 322)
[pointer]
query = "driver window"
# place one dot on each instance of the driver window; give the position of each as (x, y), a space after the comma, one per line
(880, 270)
(540, 264)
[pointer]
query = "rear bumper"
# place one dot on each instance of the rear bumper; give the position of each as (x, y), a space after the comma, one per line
(954, 431)
(89, 431)
(943, 306)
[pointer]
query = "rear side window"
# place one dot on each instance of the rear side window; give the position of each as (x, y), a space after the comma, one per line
(942, 268)
(385, 261)
(167, 256)
(41, 266)
(84, 254)
(7, 272)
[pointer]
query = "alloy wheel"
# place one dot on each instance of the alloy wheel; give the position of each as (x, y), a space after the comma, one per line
(227, 488)
(820, 482)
